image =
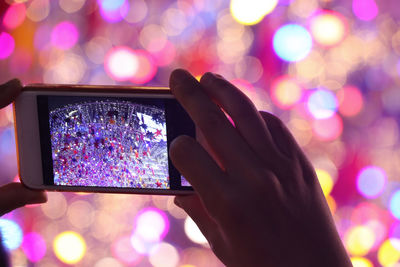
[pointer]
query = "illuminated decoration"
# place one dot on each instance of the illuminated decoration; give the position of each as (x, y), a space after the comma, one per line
(34, 246)
(286, 92)
(69, 247)
(64, 35)
(371, 181)
(394, 204)
(193, 232)
(359, 240)
(7, 45)
(113, 11)
(361, 262)
(325, 180)
(151, 224)
(292, 42)
(11, 234)
(328, 28)
(389, 252)
(121, 63)
(250, 12)
(14, 16)
(328, 129)
(350, 101)
(322, 104)
(365, 9)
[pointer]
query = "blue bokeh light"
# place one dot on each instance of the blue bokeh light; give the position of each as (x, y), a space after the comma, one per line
(292, 42)
(394, 205)
(371, 181)
(322, 104)
(11, 234)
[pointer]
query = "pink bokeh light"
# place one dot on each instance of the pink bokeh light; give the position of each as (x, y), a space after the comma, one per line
(7, 45)
(34, 246)
(15, 16)
(64, 35)
(365, 9)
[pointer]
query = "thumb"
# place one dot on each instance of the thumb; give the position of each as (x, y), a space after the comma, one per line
(16, 195)
(9, 91)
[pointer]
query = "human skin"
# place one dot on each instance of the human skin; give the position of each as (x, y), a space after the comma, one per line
(15, 195)
(258, 200)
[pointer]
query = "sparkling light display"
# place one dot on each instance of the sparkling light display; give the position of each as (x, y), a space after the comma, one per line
(329, 69)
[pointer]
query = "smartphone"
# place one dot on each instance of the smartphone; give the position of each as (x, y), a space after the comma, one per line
(99, 139)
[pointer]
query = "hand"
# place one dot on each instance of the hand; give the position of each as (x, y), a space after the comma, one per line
(258, 201)
(15, 195)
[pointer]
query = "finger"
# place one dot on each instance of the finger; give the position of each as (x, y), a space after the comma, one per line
(223, 138)
(247, 119)
(196, 165)
(9, 91)
(16, 195)
(209, 228)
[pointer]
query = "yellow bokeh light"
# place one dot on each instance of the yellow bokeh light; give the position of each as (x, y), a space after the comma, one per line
(359, 240)
(325, 180)
(69, 247)
(286, 92)
(361, 262)
(250, 12)
(388, 253)
(328, 28)
(331, 203)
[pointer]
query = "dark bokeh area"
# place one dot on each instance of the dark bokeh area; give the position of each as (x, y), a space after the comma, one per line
(329, 69)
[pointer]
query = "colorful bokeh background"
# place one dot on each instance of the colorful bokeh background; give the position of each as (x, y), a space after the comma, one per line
(330, 69)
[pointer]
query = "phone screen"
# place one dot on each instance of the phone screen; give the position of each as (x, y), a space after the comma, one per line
(111, 141)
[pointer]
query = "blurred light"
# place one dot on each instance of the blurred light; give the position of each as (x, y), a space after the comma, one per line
(71, 6)
(389, 253)
(121, 63)
(113, 11)
(350, 101)
(11, 234)
(325, 180)
(250, 12)
(328, 28)
(122, 250)
(64, 35)
(328, 129)
(97, 48)
(20, 62)
(394, 204)
(361, 262)
(7, 45)
(7, 142)
(249, 68)
(371, 181)
(146, 70)
(290, 34)
(151, 224)
(165, 56)
(69, 247)
(107, 262)
(75, 211)
(322, 104)
(137, 11)
(42, 37)
(67, 68)
(56, 205)
(286, 92)
(193, 232)
(365, 9)
(331, 203)
(164, 255)
(359, 240)
(153, 38)
(34, 246)
(38, 10)
(14, 16)
(174, 21)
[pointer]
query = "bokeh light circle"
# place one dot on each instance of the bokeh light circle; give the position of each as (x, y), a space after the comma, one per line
(193, 232)
(7, 45)
(113, 10)
(350, 101)
(14, 16)
(34, 246)
(147, 68)
(69, 247)
(359, 240)
(389, 252)
(121, 63)
(325, 180)
(394, 204)
(151, 225)
(361, 262)
(328, 129)
(122, 250)
(365, 9)
(322, 104)
(286, 92)
(164, 255)
(328, 28)
(250, 12)
(292, 42)
(11, 234)
(371, 181)
(64, 35)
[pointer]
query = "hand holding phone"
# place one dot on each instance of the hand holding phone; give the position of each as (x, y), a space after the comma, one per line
(99, 139)
(258, 201)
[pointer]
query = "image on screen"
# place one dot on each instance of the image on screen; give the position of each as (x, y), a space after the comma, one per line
(108, 143)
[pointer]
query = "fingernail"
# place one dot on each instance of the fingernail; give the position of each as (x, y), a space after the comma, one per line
(218, 76)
